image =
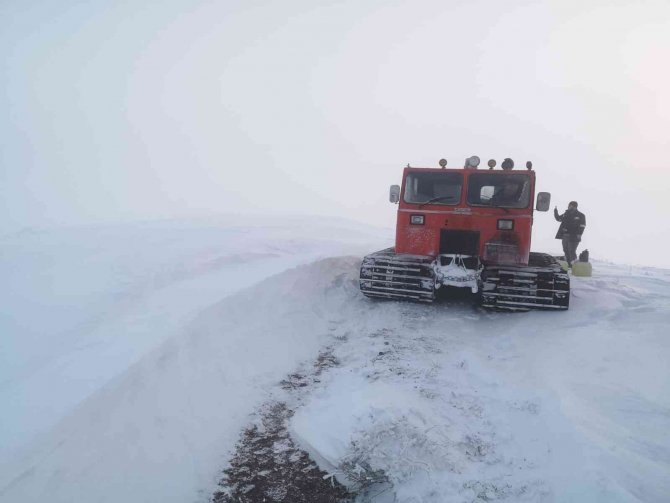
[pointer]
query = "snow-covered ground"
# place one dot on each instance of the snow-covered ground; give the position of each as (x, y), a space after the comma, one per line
(456, 405)
(131, 358)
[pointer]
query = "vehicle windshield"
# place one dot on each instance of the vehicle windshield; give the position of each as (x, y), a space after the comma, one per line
(433, 188)
(501, 190)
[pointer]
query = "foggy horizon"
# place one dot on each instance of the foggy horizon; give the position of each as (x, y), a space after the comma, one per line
(116, 112)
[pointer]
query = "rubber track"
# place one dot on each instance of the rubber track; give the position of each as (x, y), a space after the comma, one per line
(387, 275)
(543, 284)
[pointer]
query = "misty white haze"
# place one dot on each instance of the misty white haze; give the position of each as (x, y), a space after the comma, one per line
(187, 190)
(119, 111)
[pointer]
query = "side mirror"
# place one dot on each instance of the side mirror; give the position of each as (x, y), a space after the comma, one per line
(394, 193)
(543, 201)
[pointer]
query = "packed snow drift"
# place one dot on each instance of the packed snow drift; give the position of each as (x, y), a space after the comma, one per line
(133, 357)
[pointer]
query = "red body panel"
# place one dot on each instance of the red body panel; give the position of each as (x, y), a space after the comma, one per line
(425, 239)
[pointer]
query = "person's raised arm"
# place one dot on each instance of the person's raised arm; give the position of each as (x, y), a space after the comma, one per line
(556, 215)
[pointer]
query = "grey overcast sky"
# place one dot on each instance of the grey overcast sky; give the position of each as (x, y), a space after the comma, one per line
(122, 110)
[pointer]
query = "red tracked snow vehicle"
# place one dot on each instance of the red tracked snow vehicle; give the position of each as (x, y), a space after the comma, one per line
(467, 228)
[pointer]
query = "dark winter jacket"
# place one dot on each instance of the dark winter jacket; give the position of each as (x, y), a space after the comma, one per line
(572, 223)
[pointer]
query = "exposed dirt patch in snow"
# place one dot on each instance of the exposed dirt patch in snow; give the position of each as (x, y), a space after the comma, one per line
(303, 379)
(268, 466)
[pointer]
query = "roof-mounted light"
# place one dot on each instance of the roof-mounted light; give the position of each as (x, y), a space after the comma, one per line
(472, 162)
(443, 163)
(491, 163)
(529, 165)
(507, 164)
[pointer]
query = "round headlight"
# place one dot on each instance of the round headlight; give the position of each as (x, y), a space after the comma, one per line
(473, 161)
(443, 162)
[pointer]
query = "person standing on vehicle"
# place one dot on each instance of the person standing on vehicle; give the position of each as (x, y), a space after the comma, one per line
(570, 231)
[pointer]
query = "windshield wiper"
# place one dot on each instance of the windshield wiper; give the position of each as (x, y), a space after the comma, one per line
(495, 204)
(435, 199)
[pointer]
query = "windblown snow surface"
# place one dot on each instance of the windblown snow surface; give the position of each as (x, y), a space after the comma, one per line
(132, 357)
